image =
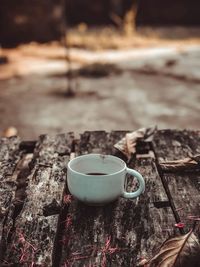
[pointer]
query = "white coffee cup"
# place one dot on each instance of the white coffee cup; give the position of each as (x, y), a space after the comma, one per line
(99, 179)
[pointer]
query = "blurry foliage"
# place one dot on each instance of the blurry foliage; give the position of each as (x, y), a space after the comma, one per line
(129, 21)
(107, 38)
(94, 38)
(126, 23)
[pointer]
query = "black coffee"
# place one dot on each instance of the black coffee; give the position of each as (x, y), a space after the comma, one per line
(96, 173)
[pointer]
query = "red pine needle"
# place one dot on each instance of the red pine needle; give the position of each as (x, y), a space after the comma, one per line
(180, 225)
(67, 199)
(193, 218)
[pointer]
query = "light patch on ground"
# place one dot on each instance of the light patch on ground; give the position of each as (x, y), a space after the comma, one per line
(159, 85)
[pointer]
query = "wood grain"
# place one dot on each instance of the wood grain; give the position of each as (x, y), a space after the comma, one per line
(9, 158)
(42, 225)
(184, 187)
(35, 227)
(120, 233)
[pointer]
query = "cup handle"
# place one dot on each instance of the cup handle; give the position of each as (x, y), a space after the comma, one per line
(141, 184)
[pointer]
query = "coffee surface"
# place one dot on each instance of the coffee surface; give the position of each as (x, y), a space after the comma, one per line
(96, 173)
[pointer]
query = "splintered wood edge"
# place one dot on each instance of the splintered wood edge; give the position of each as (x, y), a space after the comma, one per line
(34, 233)
(10, 157)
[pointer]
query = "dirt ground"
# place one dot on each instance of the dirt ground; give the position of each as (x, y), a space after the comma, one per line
(125, 88)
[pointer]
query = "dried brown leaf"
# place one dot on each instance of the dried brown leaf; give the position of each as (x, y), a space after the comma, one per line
(10, 131)
(181, 251)
(127, 145)
(182, 164)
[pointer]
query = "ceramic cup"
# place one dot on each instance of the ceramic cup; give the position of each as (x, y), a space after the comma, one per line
(99, 179)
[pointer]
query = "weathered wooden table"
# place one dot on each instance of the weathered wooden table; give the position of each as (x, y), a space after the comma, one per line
(42, 225)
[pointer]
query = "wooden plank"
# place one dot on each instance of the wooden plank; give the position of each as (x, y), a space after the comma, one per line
(35, 227)
(9, 158)
(176, 144)
(184, 187)
(120, 233)
(99, 142)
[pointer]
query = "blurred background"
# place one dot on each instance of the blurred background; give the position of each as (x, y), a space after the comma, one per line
(98, 65)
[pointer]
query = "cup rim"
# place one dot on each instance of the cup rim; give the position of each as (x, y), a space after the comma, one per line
(96, 155)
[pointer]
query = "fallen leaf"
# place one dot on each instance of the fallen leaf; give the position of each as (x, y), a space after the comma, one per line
(181, 251)
(10, 131)
(127, 145)
(180, 225)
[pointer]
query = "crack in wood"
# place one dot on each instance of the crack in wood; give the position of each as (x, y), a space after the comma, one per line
(52, 208)
(9, 159)
(20, 176)
(58, 242)
(36, 222)
(27, 146)
(166, 188)
(161, 204)
(173, 146)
